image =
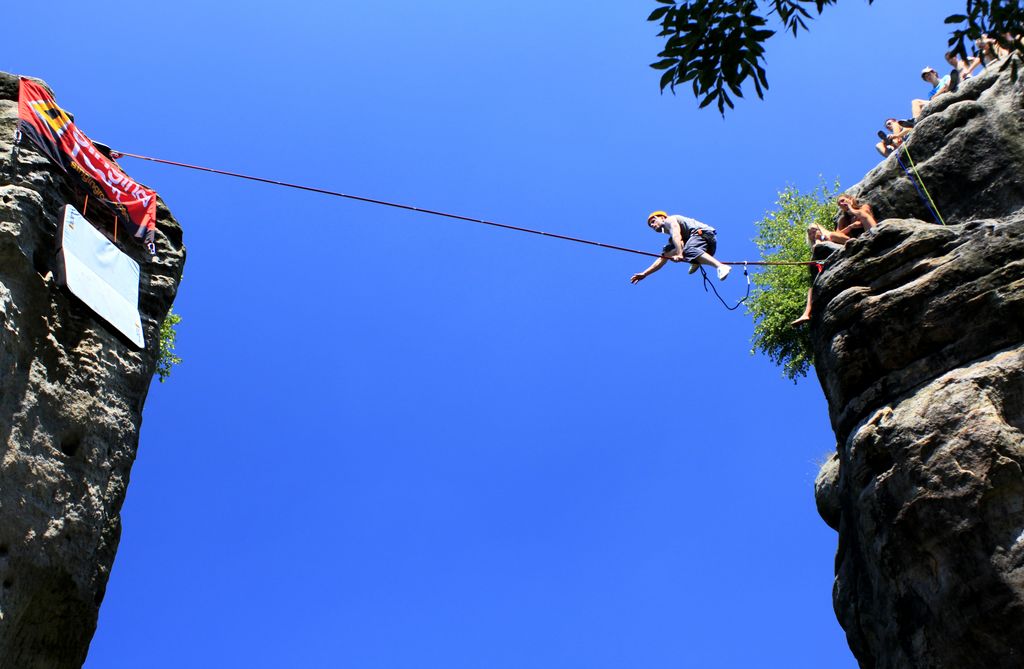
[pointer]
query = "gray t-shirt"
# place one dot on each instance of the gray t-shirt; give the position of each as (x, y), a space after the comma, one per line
(685, 225)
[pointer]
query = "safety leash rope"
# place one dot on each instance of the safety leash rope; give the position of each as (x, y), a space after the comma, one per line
(431, 212)
(709, 282)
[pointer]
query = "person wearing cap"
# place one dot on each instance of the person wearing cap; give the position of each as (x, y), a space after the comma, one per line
(939, 86)
(689, 241)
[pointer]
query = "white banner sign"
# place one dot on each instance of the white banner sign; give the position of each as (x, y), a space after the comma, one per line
(99, 274)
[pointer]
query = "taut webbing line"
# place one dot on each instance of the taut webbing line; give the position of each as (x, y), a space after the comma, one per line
(385, 203)
(432, 212)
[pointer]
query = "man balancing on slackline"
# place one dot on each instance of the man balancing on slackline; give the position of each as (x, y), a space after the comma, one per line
(689, 240)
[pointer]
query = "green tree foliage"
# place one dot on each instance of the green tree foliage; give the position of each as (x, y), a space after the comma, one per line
(167, 359)
(717, 45)
(779, 293)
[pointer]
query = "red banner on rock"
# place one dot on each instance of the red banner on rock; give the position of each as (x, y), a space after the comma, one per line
(53, 131)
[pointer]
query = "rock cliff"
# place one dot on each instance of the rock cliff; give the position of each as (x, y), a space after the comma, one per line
(918, 336)
(71, 397)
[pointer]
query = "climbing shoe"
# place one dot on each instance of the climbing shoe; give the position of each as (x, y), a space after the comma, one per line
(723, 272)
(693, 268)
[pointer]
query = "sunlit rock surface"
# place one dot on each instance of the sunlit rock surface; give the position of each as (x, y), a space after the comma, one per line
(71, 398)
(918, 335)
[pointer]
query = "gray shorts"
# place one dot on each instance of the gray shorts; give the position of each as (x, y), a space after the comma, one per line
(696, 245)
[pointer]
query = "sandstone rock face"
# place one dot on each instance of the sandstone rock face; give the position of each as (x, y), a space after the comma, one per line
(968, 147)
(71, 397)
(918, 336)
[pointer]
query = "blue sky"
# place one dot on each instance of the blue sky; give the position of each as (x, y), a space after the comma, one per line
(398, 441)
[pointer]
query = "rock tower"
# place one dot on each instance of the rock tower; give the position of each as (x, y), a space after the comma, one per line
(71, 396)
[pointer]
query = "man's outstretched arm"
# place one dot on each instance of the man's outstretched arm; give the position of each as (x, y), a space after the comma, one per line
(655, 266)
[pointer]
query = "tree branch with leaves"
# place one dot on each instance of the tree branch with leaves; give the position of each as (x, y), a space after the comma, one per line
(717, 46)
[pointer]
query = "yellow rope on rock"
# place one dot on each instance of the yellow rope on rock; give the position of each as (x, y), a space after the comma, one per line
(921, 181)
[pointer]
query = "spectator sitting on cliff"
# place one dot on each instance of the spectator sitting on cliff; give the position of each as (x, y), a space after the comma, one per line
(853, 219)
(963, 68)
(689, 240)
(989, 50)
(891, 142)
(851, 212)
(1013, 42)
(939, 86)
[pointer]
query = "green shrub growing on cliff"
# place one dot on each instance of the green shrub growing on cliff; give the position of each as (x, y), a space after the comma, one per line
(167, 359)
(779, 292)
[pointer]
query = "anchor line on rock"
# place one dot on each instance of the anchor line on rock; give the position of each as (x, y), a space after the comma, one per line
(926, 197)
